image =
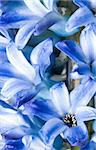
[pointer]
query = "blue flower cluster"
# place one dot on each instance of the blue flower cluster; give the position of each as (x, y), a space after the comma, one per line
(37, 112)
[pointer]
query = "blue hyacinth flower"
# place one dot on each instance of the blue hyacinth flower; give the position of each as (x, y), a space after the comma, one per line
(84, 56)
(24, 79)
(65, 114)
(13, 124)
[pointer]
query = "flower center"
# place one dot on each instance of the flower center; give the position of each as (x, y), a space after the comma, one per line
(70, 120)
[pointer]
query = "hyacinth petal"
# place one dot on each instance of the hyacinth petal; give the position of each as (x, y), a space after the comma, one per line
(85, 113)
(48, 111)
(75, 74)
(41, 55)
(13, 86)
(7, 70)
(15, 19)
(14, 144)
(27, 95)
(72, 50)
(60, 98)
(80, 135)
(13, 123)
(49, 4)
(36, 7)
(3, 56)
(34, 142)
(81, 3)
(47, 21)
(89, 47)
(18, 60)
(51, 130)
(89, 3)
(83, 69)
(57, 28)
(94, 68)
(24, 34)
(82, 94)
(81, 17)
(4, 41)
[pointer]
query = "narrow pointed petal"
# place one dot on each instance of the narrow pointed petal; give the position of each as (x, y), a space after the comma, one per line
(72, 50)
(24, 34)
(89, 47)
(78, 136)
(47, 21)
(60, 98)
(18, 60)
(12, 123)
(36, 7)
(51, 130)
(82, 94)
(13, 86)
(89, 3)
(81, 17)
(42, 108)
(85, 113)
(41, 55)
(15, 19)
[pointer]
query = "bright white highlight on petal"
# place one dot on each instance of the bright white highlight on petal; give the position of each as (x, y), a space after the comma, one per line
(13, 86)
(18, 60)
(10, 120)
(44, 49)
(36, 7)
(49, 4)
(60, 98)
(3, 40)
